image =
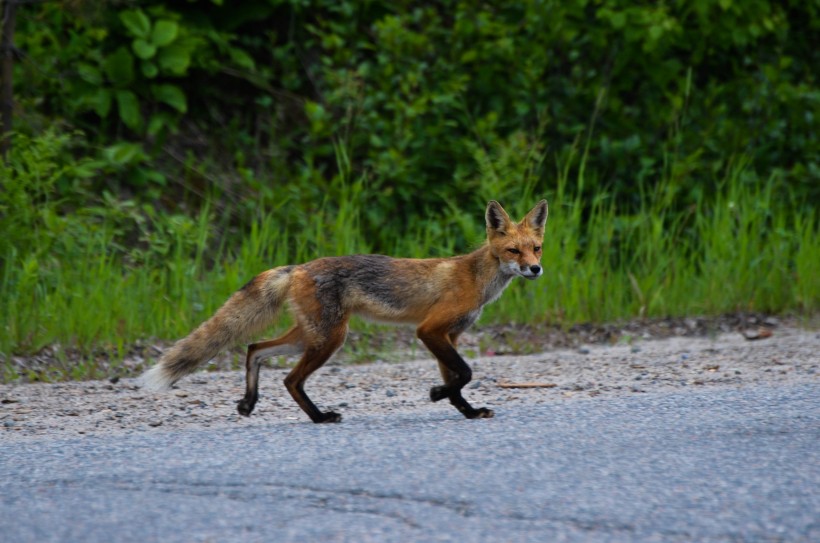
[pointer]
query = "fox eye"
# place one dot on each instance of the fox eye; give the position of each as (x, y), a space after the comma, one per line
(536, 248)
(514, 251)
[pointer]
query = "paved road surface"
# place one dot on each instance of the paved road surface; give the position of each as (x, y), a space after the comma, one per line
(701, 465)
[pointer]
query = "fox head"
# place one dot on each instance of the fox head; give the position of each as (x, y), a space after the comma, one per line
(517, 246)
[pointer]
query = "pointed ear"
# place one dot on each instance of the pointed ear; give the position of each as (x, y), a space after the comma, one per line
(497, 219)
(537, 217)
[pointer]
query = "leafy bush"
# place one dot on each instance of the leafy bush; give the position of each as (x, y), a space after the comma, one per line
(263, 95)
(167, 151)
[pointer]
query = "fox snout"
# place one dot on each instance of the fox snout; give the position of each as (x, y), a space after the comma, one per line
(527, 271)
(531, 272)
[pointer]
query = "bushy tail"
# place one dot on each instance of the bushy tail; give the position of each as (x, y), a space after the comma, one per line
(247, 312)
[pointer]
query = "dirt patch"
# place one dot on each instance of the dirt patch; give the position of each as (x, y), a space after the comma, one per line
(782, 354)
(387, 343)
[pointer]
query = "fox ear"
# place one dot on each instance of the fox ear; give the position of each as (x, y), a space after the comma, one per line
(497, 219)
(537, 217)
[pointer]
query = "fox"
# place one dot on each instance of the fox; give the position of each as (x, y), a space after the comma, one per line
(442, 297)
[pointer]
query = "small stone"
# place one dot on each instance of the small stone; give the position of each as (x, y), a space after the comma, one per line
(636, 349)
(475, 384)
(8, 424)
(583, 350)
(155, 423)
(390, 393)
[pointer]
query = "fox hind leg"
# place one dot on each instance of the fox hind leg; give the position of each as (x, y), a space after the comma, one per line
(288, 344)
(314, 357)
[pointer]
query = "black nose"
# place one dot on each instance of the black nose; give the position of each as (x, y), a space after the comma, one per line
(535, 269)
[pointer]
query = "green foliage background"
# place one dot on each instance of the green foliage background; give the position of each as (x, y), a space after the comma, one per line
(249, 101)
(165, 135)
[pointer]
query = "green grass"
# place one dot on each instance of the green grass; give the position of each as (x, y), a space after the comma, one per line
(97, 279)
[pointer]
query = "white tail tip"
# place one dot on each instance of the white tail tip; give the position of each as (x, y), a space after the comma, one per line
(155, 379)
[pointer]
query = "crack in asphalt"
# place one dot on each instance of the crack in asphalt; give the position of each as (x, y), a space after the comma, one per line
(581, 524)
(460, 507)
(323, 498)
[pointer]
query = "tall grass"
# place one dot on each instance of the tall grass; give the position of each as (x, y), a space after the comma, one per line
(80, 279)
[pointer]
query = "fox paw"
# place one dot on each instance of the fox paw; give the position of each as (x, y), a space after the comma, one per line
(480, 413)
(245, 407)
(328, 416)
(439, 393)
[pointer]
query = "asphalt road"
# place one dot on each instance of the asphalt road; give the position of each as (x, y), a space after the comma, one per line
(701, 465)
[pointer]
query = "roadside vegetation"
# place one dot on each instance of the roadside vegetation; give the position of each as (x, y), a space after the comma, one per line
(164, 154)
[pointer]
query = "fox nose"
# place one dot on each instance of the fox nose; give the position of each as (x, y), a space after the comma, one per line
(535, 269)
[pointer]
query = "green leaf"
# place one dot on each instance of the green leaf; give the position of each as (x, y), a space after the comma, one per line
(318, 116)
(149, 69)
(89, 74)
(129, 109)
(314, 111)
(162, 121)
(123, 153)
(137, 23)
(469, 56)
(174, 59)
(164, 33)
(86, 169)
(157, 177)
(143, 49)
(100, 101)
(241, 58)
(156, 124)
(119, 67)
(171, 95)
(618, 20)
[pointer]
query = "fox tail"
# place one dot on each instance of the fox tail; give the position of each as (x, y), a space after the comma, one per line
(247, 312)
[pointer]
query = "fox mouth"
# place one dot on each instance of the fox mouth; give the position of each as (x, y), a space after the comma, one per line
(527, 274)
(521, 271)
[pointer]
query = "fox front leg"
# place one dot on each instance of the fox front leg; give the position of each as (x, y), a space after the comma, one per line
(456, 376)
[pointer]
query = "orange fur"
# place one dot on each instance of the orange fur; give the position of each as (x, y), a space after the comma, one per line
(442, 296)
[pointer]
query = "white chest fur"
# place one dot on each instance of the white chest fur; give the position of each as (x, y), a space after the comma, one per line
(495, 287)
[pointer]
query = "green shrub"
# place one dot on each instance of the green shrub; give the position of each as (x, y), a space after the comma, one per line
(250, 103)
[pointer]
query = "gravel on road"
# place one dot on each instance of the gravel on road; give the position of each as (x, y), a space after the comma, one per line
(208, 399)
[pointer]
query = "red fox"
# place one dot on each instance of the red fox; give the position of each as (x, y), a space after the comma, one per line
(442, 296)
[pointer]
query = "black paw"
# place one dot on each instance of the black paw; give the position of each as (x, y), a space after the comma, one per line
(245, 407)
(439, 393)
(328, 416)
(480, 413)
